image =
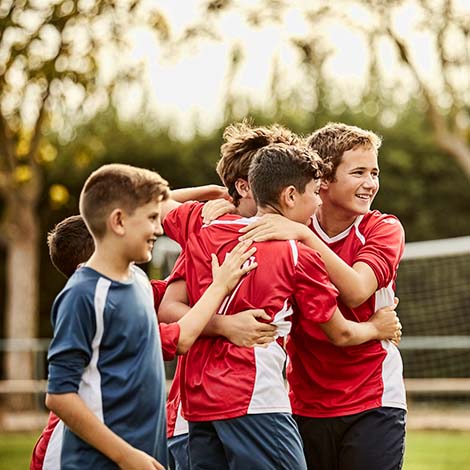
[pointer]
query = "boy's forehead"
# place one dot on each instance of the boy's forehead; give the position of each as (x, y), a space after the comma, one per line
(360, 155)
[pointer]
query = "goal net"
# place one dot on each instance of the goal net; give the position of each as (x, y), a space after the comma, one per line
(433, 285)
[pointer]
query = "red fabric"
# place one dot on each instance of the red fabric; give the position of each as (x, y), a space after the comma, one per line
(219, 379)
(326, 380)
(39, 451)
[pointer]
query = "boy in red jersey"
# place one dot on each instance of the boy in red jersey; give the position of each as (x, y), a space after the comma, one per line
(242, 141)
(235, 397)
(70, 244)
(361, 249)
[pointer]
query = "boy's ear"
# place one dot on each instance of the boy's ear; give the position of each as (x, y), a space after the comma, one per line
(242, 186)
(287, 197)
(324, 184)
(116, 221)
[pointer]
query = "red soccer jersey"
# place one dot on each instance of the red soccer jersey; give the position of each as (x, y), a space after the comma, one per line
(176, 424)
(326, 380)
(221, 380)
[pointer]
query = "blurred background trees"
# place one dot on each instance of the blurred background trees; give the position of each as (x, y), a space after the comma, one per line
(65, 80)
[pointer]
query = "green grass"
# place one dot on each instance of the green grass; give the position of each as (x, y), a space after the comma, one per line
(425, 450)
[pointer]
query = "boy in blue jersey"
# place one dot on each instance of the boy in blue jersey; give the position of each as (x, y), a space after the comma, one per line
(106, 377)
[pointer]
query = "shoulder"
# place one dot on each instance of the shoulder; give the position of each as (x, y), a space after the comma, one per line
(186, 209)
(376, 220)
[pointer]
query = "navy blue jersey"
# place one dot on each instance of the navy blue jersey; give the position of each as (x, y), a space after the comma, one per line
(106, 347)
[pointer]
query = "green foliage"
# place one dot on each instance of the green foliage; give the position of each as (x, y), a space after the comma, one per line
(419, 184)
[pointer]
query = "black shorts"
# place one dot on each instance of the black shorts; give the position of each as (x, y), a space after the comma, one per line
(371, 440)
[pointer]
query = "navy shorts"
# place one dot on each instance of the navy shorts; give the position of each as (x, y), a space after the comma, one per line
(268, 441)
(178, 452)
(373, 439)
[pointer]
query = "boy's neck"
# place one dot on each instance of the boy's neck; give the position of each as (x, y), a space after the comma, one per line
(333, 223)
(109, 263)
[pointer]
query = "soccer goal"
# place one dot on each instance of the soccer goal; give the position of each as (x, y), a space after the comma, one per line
(434, 289)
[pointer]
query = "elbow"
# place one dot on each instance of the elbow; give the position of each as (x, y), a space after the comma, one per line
(164, 313)
(182, 348)
(354, 299)
(342, 338)
(50, 402)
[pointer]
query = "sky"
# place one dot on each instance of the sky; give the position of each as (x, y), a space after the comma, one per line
(190, 83)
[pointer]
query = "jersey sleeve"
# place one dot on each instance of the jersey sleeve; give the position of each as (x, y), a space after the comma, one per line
(170, 335)
(315, 295)
(183, 221)
(71, 349)
(158, 289)
(383, 249)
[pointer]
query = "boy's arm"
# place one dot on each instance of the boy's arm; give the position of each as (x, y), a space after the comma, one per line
(242, 329)
(199, 193)
(79, 418)
(356, 284)
(384, 324)
(225, 278)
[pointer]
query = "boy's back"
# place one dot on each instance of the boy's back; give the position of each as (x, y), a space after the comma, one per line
(116, 366)
(222, 380)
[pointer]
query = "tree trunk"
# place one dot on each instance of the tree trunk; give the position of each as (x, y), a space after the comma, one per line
(22, 291)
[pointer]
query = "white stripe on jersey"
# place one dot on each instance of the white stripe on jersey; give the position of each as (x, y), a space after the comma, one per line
(295, 251)
(181, 425)
(54, 448)
(269, 392)
(393, 394)
(327, 239)
(90, 385)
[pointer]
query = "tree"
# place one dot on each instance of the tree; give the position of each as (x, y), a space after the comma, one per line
(396, 35)
(59, 63)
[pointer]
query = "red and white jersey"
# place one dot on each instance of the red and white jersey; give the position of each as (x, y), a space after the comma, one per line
(175, 423)
(221, 380)
(326, 380)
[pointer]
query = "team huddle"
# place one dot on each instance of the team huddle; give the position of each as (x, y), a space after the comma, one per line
(281, 308)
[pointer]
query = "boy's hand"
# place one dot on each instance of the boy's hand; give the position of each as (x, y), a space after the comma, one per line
(136, 459)
(274, 227)
(245, 330)
(233, 268)
(387, 323)
(214, 209)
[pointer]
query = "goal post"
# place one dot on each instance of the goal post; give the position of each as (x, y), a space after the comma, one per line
(433, 285)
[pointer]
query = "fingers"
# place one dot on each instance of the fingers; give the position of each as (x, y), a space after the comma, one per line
(260, 314)
(214, 262)
(214, 209)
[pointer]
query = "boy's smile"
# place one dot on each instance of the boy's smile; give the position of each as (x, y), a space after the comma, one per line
(356, 183)
(143, 227)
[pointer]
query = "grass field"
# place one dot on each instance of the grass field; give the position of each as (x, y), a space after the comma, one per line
(425, 450)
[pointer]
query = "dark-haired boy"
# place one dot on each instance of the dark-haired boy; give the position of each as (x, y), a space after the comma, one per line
(106, 380)
(235, 398)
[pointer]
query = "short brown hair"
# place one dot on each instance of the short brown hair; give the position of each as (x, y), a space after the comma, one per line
(332, 140)
(242, 141)
(277, 166)
(118, 185)
(70, 244)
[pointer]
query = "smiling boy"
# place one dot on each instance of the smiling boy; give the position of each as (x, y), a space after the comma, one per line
(106, 347)
(349, 403)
